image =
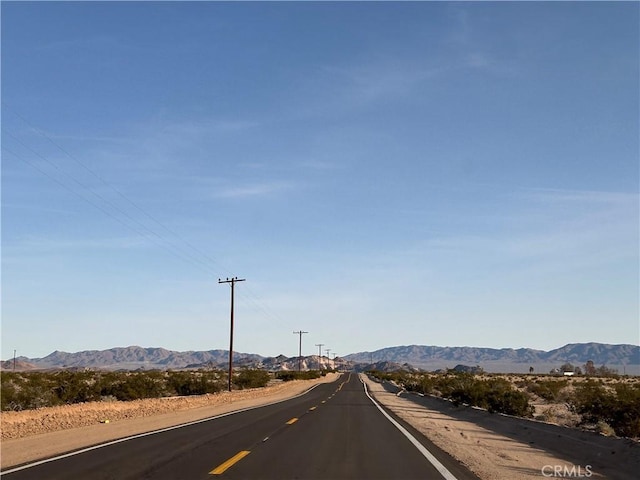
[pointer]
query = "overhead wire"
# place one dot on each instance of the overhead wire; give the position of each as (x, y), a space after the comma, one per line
(150, 234)
(101, 208)
(195, 257)
(116, 190)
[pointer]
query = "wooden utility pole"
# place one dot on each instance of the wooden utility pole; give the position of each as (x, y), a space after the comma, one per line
(319, 345)
(232, 281)
(300, 349)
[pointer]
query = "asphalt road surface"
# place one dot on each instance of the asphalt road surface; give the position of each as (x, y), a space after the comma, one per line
(335, 431)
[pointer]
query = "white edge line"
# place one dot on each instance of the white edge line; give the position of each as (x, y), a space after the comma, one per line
(146, 434)
(421, 448)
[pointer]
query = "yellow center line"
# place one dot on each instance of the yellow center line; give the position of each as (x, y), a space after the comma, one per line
(229, 463)
(293, 420)
(313, 408)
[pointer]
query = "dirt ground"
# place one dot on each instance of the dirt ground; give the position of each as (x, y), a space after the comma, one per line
(492, 446)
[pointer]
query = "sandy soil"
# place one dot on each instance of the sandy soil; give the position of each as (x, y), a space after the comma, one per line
(492, 446)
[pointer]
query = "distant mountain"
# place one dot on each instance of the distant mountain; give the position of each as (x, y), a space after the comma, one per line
(625, 358)
(441, 357)
(312, 362)
(134, 357)
(18, 365)
(600, 353)
(385, 366)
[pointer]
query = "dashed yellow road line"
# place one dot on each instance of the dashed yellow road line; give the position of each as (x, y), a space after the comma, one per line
(229, 463)
(312, 408)
(293, 420)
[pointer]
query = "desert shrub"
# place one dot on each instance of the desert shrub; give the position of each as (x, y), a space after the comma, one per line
(626, 414)
(76, 387)
(194, 383)
(14, 392)
(605, 429)
(618, 407)
(134, 386)
(9, 396)
(397, 377)
(252, 379)
(427, 384)
(547, 389)
(490, 392)
(461, 388)
(287, 376)
(592, 401)
(501, 397)
(418, 384)
(27, 390)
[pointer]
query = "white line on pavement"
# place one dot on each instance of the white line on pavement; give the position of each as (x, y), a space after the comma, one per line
(421, 448)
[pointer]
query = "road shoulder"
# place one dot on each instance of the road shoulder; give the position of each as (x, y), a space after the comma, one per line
(17, 451)
(503, 447)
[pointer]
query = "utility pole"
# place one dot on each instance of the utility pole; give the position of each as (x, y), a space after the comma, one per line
(14, 360)
(232, 281)
(319, 345)
(300, 349)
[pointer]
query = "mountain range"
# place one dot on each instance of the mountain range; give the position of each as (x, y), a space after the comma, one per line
(575, 353)
(625, 358)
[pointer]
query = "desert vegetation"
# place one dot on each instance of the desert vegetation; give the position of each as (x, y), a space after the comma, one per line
(609, 405)
(29, 390)
(497, 395)
(289, 375)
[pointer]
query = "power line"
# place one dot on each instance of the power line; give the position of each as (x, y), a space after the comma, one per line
(104, 210)
(108, 185)
(182, 249)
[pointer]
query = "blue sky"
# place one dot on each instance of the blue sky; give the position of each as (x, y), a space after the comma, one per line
(380, 173)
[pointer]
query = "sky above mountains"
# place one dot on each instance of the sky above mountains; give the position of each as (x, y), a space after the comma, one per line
(381, 174)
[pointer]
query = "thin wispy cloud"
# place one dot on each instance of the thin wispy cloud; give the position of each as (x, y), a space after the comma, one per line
(587, 197)
(552, 230)
(319, 165)
(251, 190)
(36, 244)
(387, 79)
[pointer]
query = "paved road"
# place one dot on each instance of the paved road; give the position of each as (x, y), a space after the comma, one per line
(335, 431)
